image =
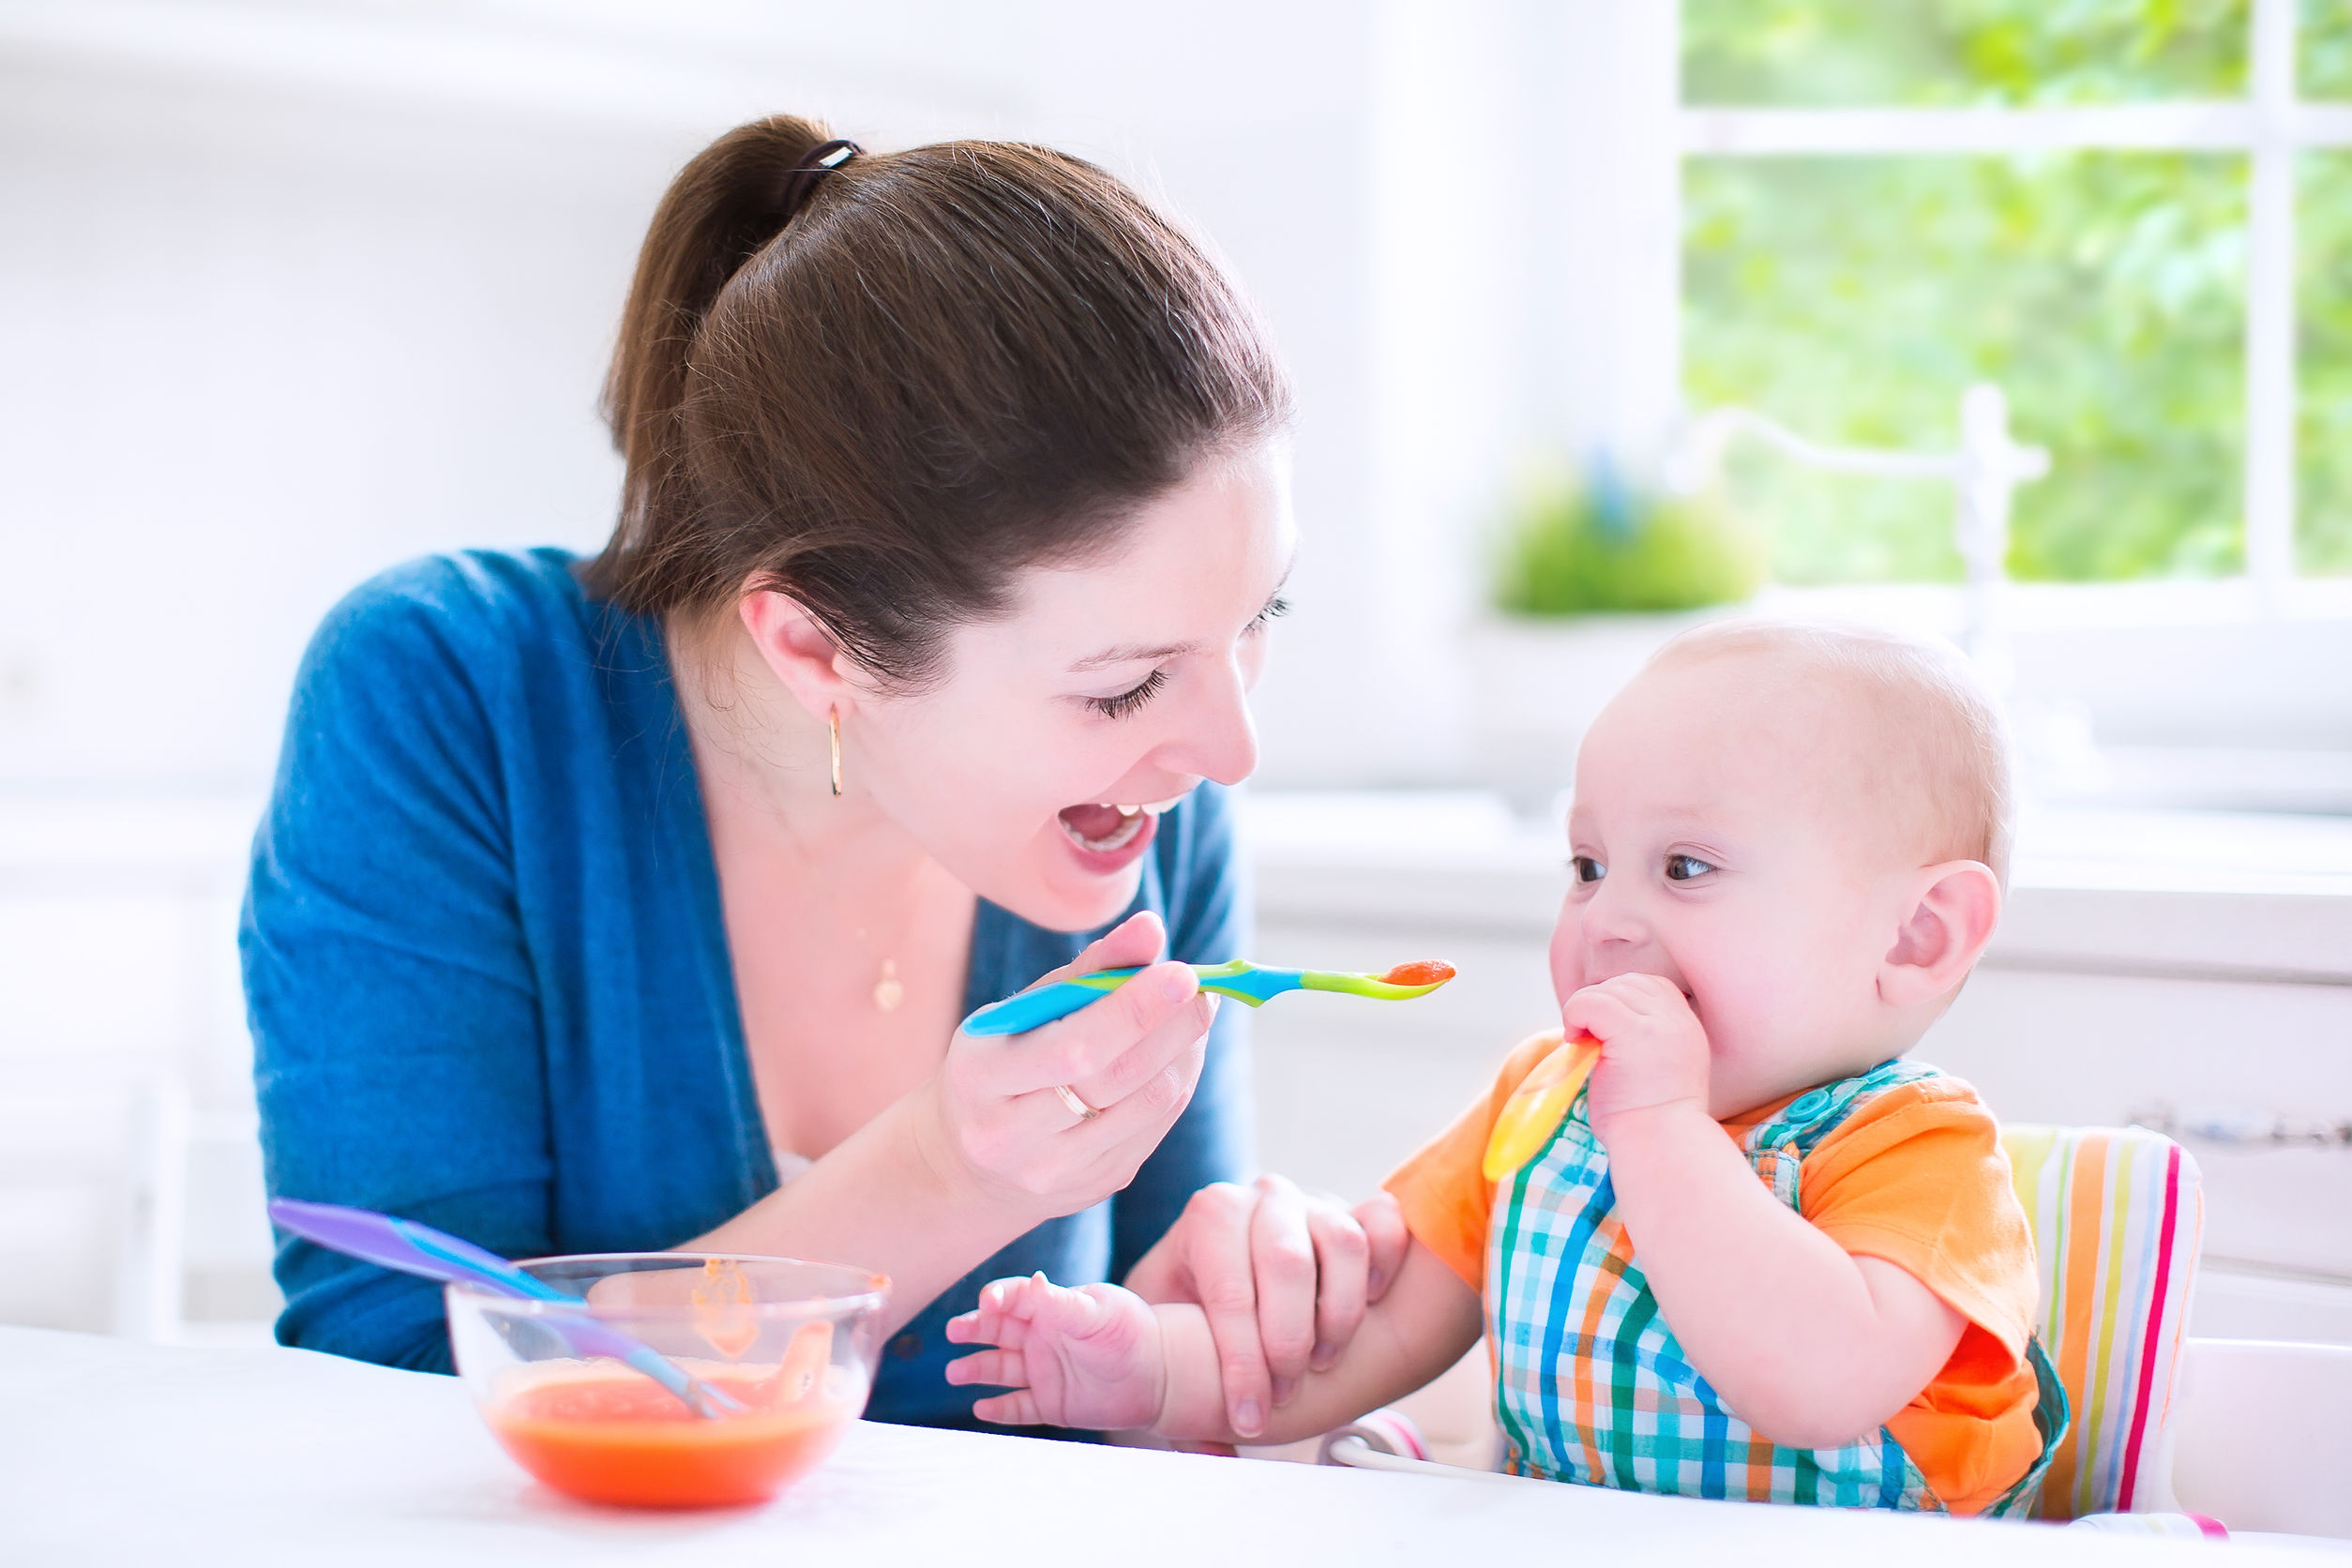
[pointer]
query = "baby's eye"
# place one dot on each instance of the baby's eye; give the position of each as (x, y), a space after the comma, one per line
(1683, 868)
(1587, 869)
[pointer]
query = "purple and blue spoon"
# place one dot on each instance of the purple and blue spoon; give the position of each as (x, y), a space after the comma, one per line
(419, 1249)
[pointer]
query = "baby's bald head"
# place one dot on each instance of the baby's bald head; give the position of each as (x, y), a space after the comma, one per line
(1899, 731)
(1803, 828)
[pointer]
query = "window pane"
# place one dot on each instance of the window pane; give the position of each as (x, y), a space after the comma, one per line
(1882, 51)
(2324, 439)
(1855, 299)
(2325, 64)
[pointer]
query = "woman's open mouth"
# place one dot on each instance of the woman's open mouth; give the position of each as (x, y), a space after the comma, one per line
(1110, 838)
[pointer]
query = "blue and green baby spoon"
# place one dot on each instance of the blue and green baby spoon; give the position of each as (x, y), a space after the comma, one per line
(1252, 984)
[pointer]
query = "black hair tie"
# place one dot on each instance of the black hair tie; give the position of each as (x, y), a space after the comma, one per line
(822, 160)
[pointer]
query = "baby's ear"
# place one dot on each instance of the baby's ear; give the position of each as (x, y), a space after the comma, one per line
(1955, 907)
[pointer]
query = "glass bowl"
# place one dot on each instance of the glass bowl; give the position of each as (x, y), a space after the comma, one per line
(789, 1346)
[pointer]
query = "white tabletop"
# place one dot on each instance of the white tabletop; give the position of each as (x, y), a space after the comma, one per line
(111, 1452)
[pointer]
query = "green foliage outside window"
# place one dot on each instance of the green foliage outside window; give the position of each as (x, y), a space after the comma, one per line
(2324, 358)
(2324, 49)
(1821, 52)
(1855, 298)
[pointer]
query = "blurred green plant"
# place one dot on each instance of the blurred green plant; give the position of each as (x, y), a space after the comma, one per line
(1586, 546)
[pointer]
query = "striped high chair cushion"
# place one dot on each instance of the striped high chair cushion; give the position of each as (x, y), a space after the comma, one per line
(2117, 1213)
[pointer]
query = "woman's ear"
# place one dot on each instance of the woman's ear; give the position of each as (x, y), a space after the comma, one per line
(801, 653)
(1955, 907)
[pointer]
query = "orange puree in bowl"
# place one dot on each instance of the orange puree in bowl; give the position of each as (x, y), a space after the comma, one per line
(605, 1433)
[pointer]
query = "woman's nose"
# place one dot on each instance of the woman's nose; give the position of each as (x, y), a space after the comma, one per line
(1220, 738)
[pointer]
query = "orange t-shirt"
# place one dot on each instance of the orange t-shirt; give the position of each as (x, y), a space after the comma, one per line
(1915, 1176)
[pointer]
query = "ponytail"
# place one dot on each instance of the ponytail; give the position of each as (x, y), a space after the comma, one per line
(948, 364)
(718, 214)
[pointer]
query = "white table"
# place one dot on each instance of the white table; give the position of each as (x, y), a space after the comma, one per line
(111, 1452)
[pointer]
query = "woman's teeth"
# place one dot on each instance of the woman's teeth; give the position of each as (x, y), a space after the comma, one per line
(1130, 823)
(1107, 826)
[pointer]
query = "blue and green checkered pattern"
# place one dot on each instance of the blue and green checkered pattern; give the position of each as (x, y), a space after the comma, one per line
(1592, 1385)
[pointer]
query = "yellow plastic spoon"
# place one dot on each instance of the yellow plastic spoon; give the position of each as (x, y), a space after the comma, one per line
(1534, 1111)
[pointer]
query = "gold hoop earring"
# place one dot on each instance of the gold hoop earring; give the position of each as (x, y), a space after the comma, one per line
(833, 725)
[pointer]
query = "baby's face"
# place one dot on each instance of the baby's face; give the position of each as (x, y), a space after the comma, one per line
(1725, 837)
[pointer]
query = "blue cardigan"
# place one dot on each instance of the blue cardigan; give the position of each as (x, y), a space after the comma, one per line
(488, 976)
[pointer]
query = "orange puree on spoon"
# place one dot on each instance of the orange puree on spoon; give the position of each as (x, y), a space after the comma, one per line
(1422, 971)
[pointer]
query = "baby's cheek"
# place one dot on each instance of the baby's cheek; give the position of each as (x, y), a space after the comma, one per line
(1740, 993)
(1567, 953)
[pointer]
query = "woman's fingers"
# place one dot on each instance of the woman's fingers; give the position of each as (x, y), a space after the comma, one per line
(1387, 1239)
(1215, 1264)
(1128, 1128)
(1088, 1042)
(1162, 1051)
(1282, 1268)
(1138, 939)
(1342, 1283)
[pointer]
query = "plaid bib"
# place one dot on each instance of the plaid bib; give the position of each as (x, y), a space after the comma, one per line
(1592, 1385)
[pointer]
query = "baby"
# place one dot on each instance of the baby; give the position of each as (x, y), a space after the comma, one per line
(1761, 1256)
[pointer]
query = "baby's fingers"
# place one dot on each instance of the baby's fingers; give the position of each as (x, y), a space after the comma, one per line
(980, 1327)
(1018, 1408)
(1042, 1306)
(999, 1368)
(1602, 1014)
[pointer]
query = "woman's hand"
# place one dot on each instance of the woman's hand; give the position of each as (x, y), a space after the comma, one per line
(992, 1121)
(1283, 1276)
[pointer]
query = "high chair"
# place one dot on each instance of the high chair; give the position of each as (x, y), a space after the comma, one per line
(2117, 1214)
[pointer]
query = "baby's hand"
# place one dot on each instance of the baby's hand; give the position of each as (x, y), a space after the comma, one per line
(1652, 1050)
(1088, 1358)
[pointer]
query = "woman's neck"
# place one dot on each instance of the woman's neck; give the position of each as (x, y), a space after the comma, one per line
(764, 764)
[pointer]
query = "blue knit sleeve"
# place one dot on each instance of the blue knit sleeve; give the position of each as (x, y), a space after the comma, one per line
(1209, 920)
(398, 1057)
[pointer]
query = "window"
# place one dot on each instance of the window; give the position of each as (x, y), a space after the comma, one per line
(2135, 216)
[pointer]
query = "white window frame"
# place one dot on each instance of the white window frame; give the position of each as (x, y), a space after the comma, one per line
(2270, 125)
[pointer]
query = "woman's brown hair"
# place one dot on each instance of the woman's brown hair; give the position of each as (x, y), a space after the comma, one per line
(948, 364)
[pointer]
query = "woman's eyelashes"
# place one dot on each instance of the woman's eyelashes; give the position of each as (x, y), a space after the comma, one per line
(1130, 700)
(1127, 702)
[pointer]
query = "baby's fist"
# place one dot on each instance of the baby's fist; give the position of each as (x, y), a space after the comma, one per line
(1087, 1357)
(1652, 1050)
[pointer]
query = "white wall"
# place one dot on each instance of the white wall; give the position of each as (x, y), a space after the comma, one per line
(292, 292)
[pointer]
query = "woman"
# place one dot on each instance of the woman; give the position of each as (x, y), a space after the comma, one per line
(632, 904)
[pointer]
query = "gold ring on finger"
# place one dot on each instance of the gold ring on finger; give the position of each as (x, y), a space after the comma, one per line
(1079, 1108)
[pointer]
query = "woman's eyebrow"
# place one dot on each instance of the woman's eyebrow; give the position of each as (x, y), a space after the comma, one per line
(1130, 653)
